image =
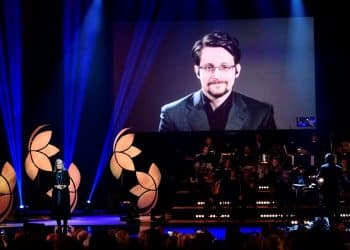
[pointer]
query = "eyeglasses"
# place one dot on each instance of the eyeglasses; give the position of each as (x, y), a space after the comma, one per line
(211, 68)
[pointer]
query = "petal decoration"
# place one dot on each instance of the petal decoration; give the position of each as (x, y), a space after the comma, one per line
(73, 198)
(145, 180)
(74, 174)
(5, 205)
(155, 173)
(132, 151)
(50, 150)
(30, 168)
(137, 190)
(41, 160)
(146, 199)
(7, 211)
(9, 174)
(125, 161)
(117, 138)
(116, 169)
(6, 195)
(4, 186)
(148, 209)
(72, 186)
(34, 134)
(124, 142)
(155, 200)
(41, 140)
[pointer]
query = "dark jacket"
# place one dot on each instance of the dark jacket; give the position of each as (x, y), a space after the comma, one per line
(60, 197)
(188, 114)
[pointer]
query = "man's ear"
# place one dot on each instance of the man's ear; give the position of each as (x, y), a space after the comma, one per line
(238, 70)
(196, 70)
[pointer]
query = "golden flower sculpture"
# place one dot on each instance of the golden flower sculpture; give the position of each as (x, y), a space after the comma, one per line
(148, 183)
(147, 189)
(7, 185)
(39, 153)
(123, 152)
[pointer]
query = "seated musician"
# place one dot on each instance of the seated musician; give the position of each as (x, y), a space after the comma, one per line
(206, 174)
(203, 165)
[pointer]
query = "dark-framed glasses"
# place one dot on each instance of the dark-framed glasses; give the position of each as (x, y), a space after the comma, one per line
(211, 68)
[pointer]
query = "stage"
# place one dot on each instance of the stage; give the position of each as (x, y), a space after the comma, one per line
(93, 223)
(96, 220)
(75, 221)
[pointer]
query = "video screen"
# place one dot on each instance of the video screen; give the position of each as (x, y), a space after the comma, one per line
(153, 66)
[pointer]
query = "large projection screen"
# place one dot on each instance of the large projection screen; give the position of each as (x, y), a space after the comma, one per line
(278, 66)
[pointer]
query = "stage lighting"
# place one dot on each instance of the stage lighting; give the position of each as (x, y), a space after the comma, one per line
(87, 207)
(22, 207)
(88, 204)
(22, 211)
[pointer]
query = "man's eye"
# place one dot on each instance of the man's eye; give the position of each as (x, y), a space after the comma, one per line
(224, 67)
(209, 67)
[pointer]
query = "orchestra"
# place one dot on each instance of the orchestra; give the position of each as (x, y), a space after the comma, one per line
(237, 176)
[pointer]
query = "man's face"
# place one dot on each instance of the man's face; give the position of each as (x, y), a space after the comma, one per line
(205, 150)
(217, 82)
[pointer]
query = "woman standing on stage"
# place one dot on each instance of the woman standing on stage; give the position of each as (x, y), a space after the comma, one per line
(60, 196)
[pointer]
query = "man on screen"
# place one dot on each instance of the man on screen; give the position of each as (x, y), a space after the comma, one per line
(216, 107)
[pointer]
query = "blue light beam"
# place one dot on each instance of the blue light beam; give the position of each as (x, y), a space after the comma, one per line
(11, 85)
(297, 8)
(133, 78)
(79, 45)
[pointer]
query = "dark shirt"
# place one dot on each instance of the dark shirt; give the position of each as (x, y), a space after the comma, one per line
(60, 196)
(217, 119)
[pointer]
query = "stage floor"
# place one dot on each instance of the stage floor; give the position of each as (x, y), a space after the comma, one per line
(91, 222)
(97, 220)
(86, 220)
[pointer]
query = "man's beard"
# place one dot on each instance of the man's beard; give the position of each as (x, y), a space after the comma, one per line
(215, 93)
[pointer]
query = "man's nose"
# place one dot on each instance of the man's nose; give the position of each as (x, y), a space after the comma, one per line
(216, 71)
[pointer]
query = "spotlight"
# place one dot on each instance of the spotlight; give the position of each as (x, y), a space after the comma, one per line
(320, 180)
(87, 206)
(22, 211)
(22, 207)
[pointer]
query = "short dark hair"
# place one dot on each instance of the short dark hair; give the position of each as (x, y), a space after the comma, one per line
(217, 39)
(329, 158)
